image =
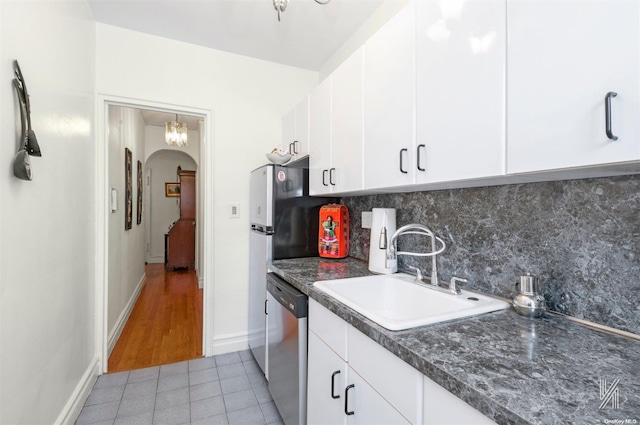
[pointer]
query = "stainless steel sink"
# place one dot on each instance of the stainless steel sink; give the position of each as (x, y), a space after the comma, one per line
(396, 302)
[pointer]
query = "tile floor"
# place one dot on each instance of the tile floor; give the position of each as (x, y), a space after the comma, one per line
(224, 389)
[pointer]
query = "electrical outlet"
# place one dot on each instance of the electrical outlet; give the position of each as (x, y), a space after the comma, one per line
(366, 219)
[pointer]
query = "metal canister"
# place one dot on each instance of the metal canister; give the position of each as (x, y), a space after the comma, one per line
(529, 302)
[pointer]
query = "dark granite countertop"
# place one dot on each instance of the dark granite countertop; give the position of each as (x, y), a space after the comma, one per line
(513, 369)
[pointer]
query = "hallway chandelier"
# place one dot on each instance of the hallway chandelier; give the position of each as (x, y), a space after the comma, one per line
(176, 133)
(281, 5)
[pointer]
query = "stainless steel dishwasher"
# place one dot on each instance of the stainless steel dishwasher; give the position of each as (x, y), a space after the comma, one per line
(287, 349)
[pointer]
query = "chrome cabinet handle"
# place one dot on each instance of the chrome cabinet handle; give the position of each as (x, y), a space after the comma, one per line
(331, 177)
(346, 401)
(402, 170)
(295, 147)
(324, 177)
(419, 160)
(333, 385)
(607, 114)
(291, 148)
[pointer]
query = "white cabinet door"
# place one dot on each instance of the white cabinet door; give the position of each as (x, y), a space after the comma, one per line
(320, 139)
(301, 139)
(330, 379)
(389, 103)
(326, 382)
(367, 406)
(289, 131)
(563, 57)
(460, 60)
(443, 408)
(295, 130)
(397, 382)
(346, 169)
(329, 327)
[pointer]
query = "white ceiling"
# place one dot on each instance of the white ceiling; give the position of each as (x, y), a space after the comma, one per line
(307, 36)
(160, 118)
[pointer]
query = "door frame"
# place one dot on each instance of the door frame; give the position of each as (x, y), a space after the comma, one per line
(102, 193)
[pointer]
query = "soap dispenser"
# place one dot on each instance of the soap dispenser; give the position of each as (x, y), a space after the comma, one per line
(383, 226)
(529, 302)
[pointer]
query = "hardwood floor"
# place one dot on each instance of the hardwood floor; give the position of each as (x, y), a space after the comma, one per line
(165, 325)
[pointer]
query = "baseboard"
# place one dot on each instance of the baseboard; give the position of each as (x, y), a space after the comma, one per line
(156, 260)
(124, 316)
(200, 282)
(74, 405)
(230, 343)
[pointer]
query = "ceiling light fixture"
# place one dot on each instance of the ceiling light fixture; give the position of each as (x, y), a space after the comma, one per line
(281, 5)
(176, 133)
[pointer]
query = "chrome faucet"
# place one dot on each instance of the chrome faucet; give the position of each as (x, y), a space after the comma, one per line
(419, 229)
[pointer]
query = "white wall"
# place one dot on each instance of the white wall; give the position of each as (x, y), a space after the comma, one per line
(47, 301)
(126, 247)
(164, 211)
(249, 98)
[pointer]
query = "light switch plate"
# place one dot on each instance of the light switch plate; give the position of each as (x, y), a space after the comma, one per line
(114, 200)
(234, 210)
(366, 219)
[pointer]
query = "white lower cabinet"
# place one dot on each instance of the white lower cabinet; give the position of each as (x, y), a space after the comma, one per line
(352, 390)
(365, 406)
(326, 382)
(355, 391)
(443, 408)
(397, 382)
(352, 380)
(336, 394)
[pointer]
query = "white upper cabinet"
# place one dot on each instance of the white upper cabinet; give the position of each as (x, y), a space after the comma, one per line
(320, 139)
(346, 173)
(295, 130)
(389, 103)
(460, 60)
(564, 58)
(335, 157)
(289, 131)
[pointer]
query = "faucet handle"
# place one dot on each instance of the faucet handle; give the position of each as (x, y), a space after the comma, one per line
(382, 242)
(418, 273)
(452, 284)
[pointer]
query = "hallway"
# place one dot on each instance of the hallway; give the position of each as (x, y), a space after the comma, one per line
(165, 325)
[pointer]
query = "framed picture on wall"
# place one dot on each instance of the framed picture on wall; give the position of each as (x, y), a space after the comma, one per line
(172, 190)
(139, 219)
(128, 214)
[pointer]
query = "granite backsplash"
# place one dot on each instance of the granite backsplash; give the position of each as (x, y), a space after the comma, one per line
(581, 237)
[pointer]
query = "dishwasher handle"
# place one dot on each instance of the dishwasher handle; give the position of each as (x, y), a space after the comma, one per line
(286, 295)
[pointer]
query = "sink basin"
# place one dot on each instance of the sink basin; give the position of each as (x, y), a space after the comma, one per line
(396, 303)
